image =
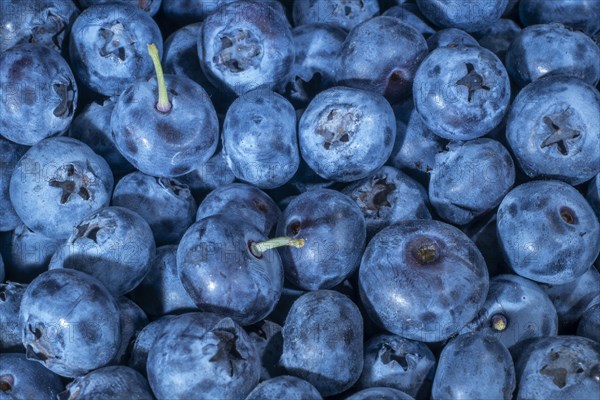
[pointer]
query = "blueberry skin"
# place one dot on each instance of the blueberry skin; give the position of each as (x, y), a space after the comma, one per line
(422, 280)
(499, 36)
(260, 143)
(266, 336)
(461, 93)
(161, 291)
(73, 331)
(25, 379)
(346, 134)
(548, 232)
(10, 153)
(469, 179)
(202, 353)
(382, 55)
(339, 13)
(552, 48)
(593, 194)
(180, 56)
(284, 387)
(387, 197)
(251, 204)
(553, 129)
(589, 324)
(564, 367)
(149, 6)
(108, 47)
(11, 295)
(109, 382)
(171, 144)
(132, 320)
(411, 16)
(113, 244)
(39, 94)
(246, 45)
(475, 366)
(581, 15)
(392, 361)
(57, 183)
(166, 204)
(380, 393)
(211, 175)
(525, 309)
(222, 275)
(468, 16)
(334, 231)
(450, 37)
(145, 340)
(323, 341)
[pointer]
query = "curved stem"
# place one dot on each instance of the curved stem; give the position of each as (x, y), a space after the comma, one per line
(163, 104)
(258, 248)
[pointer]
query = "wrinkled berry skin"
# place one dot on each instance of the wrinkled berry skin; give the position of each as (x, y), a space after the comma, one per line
(246, 45)
(461, 93)
(340, 13)
(39, 94)
(482, 358)
(422, 280)
(284, 387)
(589, 324)
(468, 16)
(580, 15)
(260, 143)
(392, 361)
(548, 232)
(565, 367)
(380, 393)
(553, 129)
(113, 244)
(469, 179)
(552, 48)
(149, 6)
(27, 379)
(202, 354)
(593, 194)
(109, 382)
(108, 47)
(323, 341)
(346, 134)
(334, 231)
(57, 183)
(145, 340)
(11, 295)
(382, 55)
(10, 153)
(526, 310)
(70, 322)
(450, 37)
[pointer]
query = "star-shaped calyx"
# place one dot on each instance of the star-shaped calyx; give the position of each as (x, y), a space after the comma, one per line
(560, 131)
(227, 351)
(472, 81)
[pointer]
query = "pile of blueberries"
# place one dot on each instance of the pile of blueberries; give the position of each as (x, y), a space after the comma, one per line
(300, 199)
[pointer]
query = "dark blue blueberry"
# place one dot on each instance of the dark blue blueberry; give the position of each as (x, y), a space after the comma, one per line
(499, 36)
(382, 55)
(474, 366)
(553, 129)
(10, 153)
(344, 14)
(411, 16)
(306, 179)
(39, 94)
(589, 324)
(113, 244)
(57, 183)
(202, 353)
(461, 93)
(150, 6)
(593, 194)
(109, 383)
(108, 46)
(24, 379)
(450, 37)
(284, 387)
(466, 15)
(266, 336)
(132, 320)
(346, 134)
(380, 393)
(469, 179)
(70, 322)
(422, 280)
(260, 143)
(582, 15)
(323, 341)
(211, 175)
(145, 340)
(11, 295)
(548, 232)
(392, 361)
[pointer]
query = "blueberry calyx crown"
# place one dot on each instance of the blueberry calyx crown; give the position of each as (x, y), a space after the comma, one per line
(116, 41)
(338, 125)
(72, 181)
(237, 51)
(560, 131)
(472, 81)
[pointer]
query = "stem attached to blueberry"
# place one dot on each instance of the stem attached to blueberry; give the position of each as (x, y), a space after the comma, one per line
(258, 248)
(163, 104)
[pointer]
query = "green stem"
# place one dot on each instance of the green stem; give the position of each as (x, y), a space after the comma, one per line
(258, 248)
(163, 104)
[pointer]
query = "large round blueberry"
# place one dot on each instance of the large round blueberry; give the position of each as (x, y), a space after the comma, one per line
(70, 322)
(344, 14)
(581, 15)
(461, 93)
(24, 379)
(39, 94)
(109, 382)
(58, 182)
(553, 129)
(346, 134)
(284, 387)
(422, 280)
(11, 295)
(10, 153)
(470, 16)
(548, 232)
(323, 341)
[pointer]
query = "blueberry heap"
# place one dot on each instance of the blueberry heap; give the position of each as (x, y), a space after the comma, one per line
(300, 199)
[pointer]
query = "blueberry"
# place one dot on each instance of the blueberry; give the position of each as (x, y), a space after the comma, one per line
(266, 336)
(211, 175)
(132, 320)
(109, 382)
(382, 55)
(344, 14)
(593, 194)
(582, 15)
(284, 387)
(589, 324)
(39, 94)
(380, 393)
(323, 341)
(346, 134)
(499, 36)
(10, 153)
(202, 353)
(469, 179)
(548, 232)
(422, 280)
(24, 379)
(113, 244)
(306, 180)
(411, 16)
(56, 183)
(149, 6)
(461, 93)
(145, 340)
(11, 295)
(70, 322)
(108, 46)
(450, 37)
(474, 366)
(468, 16)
